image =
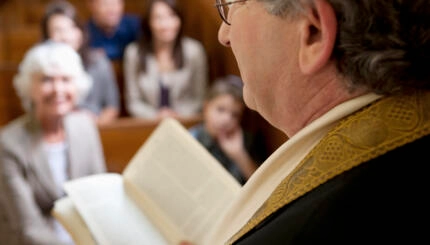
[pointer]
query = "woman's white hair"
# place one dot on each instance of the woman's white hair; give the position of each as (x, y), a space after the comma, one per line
(43, 58)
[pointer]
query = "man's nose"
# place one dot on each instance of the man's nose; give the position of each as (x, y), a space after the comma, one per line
(223, 34)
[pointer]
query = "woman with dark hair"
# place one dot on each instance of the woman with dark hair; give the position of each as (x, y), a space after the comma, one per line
(60, 23)
(165, 72)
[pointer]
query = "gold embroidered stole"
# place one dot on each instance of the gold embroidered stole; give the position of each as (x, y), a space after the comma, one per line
(381, 127)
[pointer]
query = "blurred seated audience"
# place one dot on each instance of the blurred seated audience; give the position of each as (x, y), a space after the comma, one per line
(61, 23)
(165, 72)
(48, 145)
(221, 132)
(110, 28)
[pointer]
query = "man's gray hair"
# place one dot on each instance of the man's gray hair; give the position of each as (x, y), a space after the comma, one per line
(382, 45)
(286, 7)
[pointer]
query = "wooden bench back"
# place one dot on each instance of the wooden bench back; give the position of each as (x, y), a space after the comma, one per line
(123, 138)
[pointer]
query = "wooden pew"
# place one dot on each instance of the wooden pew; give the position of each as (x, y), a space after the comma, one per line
(121, 139)
(10, 105)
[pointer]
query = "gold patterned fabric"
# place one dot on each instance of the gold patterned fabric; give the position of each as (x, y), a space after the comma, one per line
(381, 127)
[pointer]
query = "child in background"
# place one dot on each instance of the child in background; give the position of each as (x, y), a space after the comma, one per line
(221, 131)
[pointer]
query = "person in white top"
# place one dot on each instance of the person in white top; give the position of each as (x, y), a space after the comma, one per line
(48, 145)
(166, 73)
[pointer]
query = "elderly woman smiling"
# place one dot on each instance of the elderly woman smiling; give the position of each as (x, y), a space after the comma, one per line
(50, 144)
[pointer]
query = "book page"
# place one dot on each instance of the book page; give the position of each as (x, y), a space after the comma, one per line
(179, 184)
(111, 216)
(65, 212)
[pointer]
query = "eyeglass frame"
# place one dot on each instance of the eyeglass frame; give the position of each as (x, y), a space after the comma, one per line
(220, 8)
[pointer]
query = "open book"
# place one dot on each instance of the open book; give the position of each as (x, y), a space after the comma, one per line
(172, 190)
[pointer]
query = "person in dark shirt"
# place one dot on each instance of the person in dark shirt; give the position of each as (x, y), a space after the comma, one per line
(221, 132)
(110, 29)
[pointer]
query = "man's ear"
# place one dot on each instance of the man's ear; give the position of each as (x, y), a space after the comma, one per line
(318, 35)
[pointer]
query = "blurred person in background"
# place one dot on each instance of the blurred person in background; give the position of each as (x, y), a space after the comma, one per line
(61, 23)
(221, 132)
(110, 29)
(48, 145)
(166, 73)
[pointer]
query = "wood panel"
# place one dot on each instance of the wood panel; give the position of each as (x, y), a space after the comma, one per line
(2, 46)
(10, 105)
(18, 41)
(202, 22)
